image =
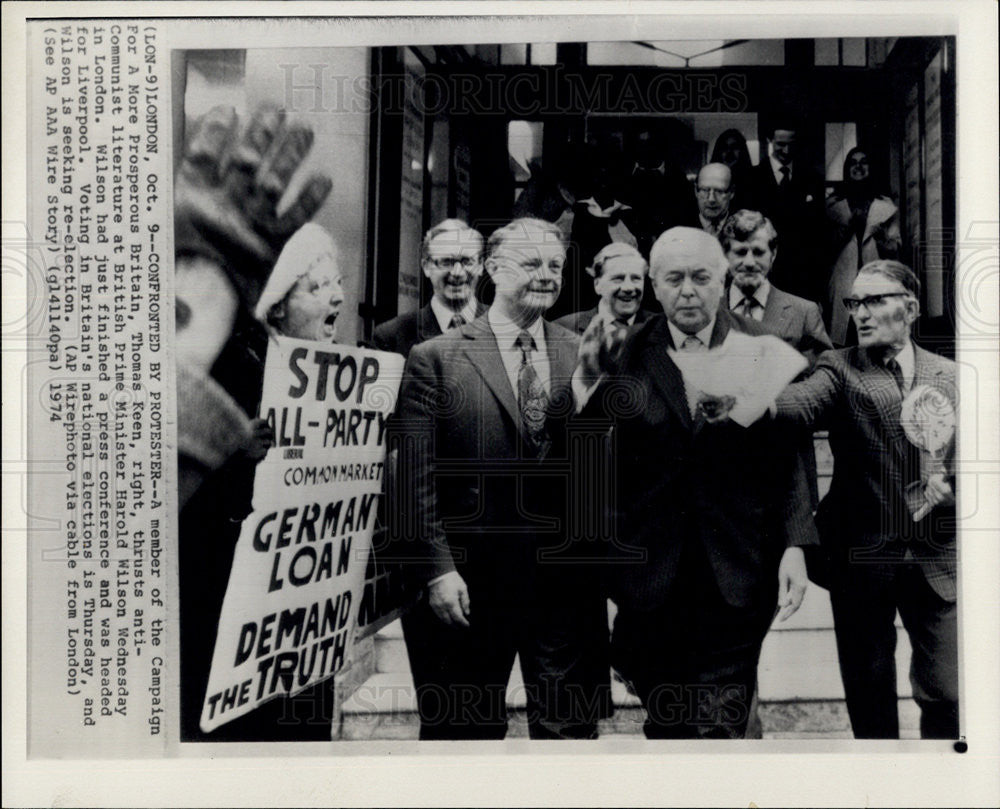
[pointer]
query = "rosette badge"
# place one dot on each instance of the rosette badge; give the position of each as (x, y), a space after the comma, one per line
(928, 421)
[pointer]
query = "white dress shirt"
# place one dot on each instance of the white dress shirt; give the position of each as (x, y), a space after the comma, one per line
(506, 331)
(777, 166)
(678, 337)
(444, 314)
(736, 298)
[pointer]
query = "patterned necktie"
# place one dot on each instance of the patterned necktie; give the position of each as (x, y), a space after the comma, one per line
(892, 366)
(532, 399)
(749, 305)
(786, 176)
(457, 321)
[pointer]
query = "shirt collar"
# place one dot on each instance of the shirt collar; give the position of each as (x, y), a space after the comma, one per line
(506, 330)
(444, 313)
(777, 166)
(705, 335)
(604, 308)
(736, 295)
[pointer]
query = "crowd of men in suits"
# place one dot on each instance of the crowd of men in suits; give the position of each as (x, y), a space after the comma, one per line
(544, 467)
(541, 465)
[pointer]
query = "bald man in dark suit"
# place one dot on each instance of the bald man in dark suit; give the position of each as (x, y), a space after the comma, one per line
(710, 517)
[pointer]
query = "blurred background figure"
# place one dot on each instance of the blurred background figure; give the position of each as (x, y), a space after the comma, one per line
(731, 149)
(553, 190)
(863, 227)
(657, 190)
(238, 250)
(600, 217)
(790, 193)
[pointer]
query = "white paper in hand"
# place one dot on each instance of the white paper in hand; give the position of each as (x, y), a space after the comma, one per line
(751, 369)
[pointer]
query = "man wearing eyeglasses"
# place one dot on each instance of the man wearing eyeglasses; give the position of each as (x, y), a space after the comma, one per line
(714, 191)
(478, 509)
(882, 551)
(451, 260)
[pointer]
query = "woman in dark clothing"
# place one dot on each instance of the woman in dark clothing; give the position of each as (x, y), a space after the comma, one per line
(731, 149)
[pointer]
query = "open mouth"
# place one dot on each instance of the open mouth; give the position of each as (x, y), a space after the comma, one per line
(330, 324)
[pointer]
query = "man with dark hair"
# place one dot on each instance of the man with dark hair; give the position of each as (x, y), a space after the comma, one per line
(619, 273)
(790, 194)
(751, 245)
(479, 508)
(888, 523)
(451, 258)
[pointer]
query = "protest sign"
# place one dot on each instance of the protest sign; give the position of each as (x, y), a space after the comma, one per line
(291, 606)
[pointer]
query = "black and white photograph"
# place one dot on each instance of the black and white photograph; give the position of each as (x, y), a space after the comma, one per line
(562, 389)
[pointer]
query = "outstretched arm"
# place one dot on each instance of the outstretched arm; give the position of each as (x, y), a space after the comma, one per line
(810, 402)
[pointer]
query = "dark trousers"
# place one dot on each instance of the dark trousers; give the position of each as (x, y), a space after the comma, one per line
(866, 644)
(461, 675)
(693, 660)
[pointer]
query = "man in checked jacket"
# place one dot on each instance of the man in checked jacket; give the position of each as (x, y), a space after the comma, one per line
(883, 551)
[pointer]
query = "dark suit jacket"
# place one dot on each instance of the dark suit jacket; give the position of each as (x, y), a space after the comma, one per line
(796, 321)
(578, 321)
(864, 522)
(797, 213)
(401, 333)
(476, 494)
(740, 493)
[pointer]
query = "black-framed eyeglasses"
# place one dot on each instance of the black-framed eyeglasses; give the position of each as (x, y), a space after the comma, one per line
(450, 262)
(871, 302)
(702, 191)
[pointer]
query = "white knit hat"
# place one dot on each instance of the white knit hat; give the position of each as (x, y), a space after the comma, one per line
(310, 245)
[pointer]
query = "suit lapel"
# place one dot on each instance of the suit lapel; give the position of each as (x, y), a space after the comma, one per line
(882, 390)
(664, 372)
(926, 371)
(562, 355)
(427, 324)
(483, 353)
(778, 312)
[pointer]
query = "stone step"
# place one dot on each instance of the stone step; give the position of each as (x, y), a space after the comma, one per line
(798, 659)
(384, 708)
